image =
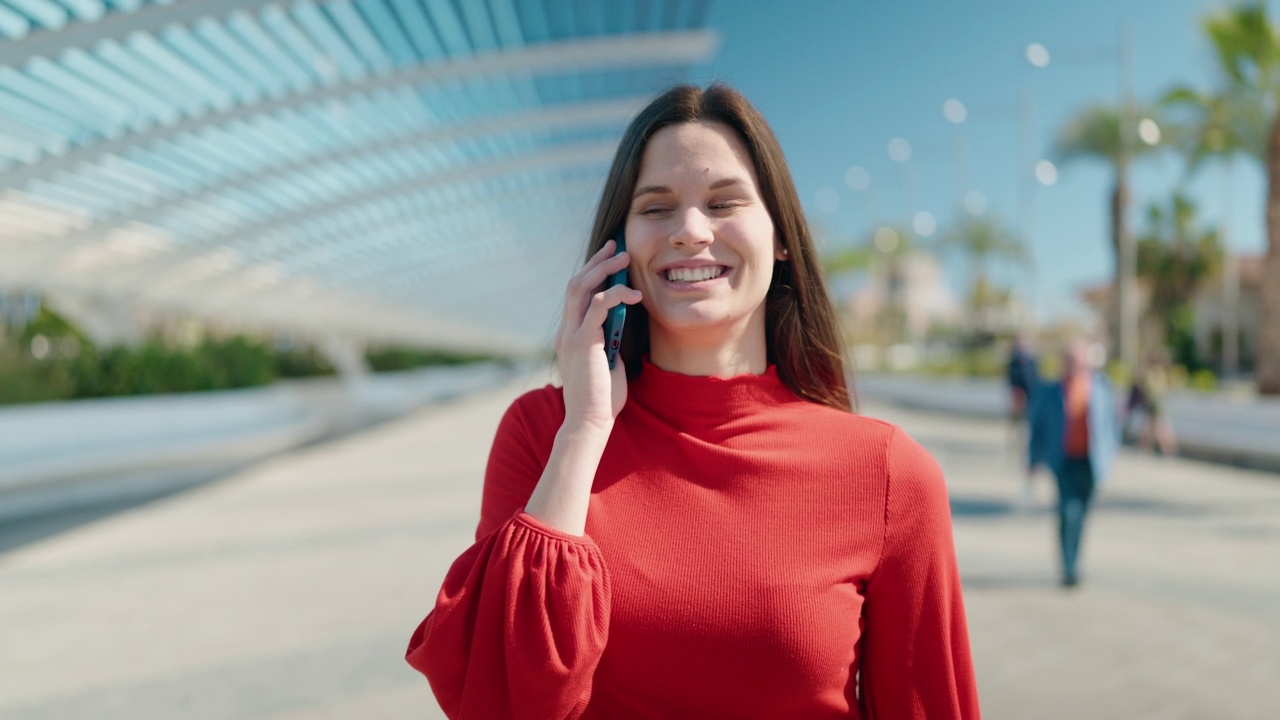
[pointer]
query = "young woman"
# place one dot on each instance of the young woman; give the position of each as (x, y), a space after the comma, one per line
(707, 530)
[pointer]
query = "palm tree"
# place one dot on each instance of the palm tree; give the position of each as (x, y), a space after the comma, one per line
(1175, 256)
(1240, 117)
(865, 256)
(1094, 134)
(1218, 126)
(982, 239)
(880, 253)
(849, 259)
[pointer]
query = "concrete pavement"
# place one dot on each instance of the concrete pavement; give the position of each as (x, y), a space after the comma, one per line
(289, 590)
(1233, 427)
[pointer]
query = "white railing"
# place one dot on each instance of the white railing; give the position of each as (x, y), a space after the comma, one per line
(55, 456)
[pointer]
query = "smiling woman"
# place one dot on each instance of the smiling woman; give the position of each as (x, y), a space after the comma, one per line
(735, 182)
(707, 530)
(702, 251)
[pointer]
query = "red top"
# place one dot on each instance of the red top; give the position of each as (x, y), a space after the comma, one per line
(747, 554)
(1076, 442)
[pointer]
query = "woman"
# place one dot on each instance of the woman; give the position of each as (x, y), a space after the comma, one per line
(707, 530)
(1147, 395)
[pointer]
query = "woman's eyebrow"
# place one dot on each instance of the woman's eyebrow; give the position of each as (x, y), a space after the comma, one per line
(664, 190)
(727, 182)
(652, 189)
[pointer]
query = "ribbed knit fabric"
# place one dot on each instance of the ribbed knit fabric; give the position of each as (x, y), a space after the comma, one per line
(748, 554)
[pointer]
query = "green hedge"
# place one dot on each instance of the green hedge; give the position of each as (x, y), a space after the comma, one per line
(154, 367)
(151, 368)
(74, 368)
(397, 358)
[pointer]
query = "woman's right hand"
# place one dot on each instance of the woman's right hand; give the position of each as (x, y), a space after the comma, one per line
(593, 394)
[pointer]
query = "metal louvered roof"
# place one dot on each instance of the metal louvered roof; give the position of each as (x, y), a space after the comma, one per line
(410, 170)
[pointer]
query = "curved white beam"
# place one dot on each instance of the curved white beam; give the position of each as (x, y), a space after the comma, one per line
(581, 154)
(552, 118)
(433, 260)
(149, 18)
(674, 48)
(392, 257)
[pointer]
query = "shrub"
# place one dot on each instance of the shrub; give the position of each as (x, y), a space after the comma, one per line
(1203, 380)
(399, 358)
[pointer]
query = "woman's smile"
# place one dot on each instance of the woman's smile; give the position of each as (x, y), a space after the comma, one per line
(694, 277)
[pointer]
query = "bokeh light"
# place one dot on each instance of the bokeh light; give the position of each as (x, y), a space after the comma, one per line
(954, 111)
(886, 239)
(975, 202)
(1038, 55)
(924, 223)
(899, 150)
(1149, 131)
(857, 178)
(828, 200)
(1046, 172)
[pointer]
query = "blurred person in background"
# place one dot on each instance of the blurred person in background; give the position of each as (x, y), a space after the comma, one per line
(708, 529)
(1146, 398)
(1023, 374)
(1075, 433)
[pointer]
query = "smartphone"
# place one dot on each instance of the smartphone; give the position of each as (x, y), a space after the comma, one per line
(617, 315)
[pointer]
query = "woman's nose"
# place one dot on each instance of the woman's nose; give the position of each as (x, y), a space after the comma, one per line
(694, 229)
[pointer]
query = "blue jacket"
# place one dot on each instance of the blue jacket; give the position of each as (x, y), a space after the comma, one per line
(1048, 420)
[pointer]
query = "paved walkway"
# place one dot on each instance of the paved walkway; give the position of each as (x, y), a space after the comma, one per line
(1233, 427)
(289, 591)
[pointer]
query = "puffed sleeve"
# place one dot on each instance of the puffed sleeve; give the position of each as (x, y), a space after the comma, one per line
(916, 661)
(522, 619)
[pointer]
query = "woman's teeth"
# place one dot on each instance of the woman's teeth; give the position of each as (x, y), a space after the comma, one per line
(697, 274)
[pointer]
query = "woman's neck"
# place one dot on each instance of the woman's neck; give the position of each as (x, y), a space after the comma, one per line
(702, 354)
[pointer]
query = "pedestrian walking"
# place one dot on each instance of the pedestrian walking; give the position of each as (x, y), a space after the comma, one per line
(708, 529)
(1074, 432)
(1023, 374)
(1146, 401)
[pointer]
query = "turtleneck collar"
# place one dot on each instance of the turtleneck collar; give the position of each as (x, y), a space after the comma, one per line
(681, 400)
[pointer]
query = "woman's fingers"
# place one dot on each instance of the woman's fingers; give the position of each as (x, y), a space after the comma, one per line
(588, 280)
(601, 257)
(604, 301)
(594, 273)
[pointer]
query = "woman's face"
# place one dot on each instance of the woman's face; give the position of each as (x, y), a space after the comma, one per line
(701, 240)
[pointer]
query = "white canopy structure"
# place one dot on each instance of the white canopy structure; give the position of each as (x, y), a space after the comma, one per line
(419, 171)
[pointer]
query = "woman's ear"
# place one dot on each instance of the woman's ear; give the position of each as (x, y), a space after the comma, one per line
(781, 254)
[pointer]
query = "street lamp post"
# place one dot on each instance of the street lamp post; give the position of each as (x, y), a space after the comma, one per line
(955, 112)
(1127, 285)
(1230, 278)
(1029, 173)
(1126, 295)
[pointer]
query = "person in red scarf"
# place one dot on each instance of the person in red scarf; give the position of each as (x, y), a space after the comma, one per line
(1075, 433)
(708, 529)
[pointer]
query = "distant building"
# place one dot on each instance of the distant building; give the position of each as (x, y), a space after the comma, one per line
(1211, 314)
(916, 296)
(1209, 308)
(1099, 299)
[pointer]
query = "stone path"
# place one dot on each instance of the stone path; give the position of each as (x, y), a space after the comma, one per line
(290, 590)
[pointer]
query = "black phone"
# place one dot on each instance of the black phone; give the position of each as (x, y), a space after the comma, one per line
(617, 316)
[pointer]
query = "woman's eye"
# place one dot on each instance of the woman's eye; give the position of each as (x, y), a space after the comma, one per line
(653, 210)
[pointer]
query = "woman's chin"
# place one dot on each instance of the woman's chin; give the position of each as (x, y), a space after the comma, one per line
(692, 321)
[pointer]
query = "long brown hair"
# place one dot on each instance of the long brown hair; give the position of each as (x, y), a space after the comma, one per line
(800, 325)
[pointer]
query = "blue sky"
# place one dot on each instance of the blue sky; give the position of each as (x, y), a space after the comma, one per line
(837, 79)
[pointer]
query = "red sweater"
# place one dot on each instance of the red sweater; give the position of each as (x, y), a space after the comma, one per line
(748, 554)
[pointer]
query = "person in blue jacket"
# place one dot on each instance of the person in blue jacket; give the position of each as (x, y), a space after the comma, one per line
(1074, 431)
(1023, 374)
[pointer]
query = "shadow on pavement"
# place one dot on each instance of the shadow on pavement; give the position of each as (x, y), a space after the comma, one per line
(1146, 506)
(17, 532)
(973, 507)
(988, 507)
(1007, 582)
